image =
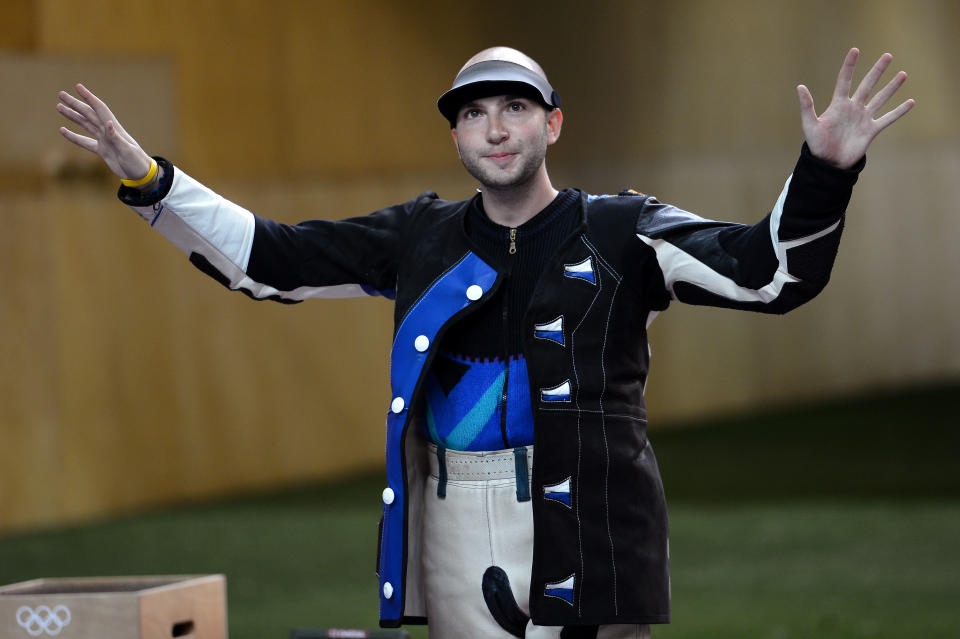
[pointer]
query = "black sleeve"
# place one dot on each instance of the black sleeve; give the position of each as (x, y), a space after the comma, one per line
(268, 260)
(360, 251)
(772, 266)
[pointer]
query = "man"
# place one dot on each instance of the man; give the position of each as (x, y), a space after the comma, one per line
(523, 497)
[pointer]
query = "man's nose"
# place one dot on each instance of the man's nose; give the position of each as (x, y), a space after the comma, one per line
(496, 131)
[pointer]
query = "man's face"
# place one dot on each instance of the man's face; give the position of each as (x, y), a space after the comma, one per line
(503, 140)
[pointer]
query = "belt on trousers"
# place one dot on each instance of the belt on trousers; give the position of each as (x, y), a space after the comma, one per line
(463, 465)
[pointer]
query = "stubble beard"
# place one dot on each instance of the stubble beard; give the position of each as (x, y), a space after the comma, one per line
(513, 178)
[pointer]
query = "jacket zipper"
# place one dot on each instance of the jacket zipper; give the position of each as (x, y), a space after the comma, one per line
(512, 249)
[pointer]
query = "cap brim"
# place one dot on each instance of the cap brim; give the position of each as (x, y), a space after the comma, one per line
(451, 101)
(495, 77)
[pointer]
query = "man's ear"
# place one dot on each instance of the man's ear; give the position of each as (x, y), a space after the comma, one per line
(554, 124)
(453, 134)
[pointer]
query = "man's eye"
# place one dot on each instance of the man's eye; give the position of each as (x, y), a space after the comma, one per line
(516, 106)
(471, 113)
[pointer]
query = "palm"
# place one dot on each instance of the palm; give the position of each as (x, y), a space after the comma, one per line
(844, 131)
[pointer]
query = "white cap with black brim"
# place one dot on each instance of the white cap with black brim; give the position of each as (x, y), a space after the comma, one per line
(495, 77)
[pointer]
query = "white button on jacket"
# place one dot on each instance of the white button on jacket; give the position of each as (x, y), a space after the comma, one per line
(422, 343)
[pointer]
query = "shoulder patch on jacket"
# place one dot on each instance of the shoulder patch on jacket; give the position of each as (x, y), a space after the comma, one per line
(628, 192)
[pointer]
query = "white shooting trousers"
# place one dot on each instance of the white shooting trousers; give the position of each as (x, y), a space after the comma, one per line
(480, 523)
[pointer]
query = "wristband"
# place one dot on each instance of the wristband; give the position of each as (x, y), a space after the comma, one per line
(146, 179)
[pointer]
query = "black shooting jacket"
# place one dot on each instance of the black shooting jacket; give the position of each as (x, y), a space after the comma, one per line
(600, 551)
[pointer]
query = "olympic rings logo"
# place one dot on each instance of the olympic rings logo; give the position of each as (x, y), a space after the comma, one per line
(43, 619)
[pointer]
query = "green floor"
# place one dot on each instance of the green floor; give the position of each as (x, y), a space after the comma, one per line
(840, 520)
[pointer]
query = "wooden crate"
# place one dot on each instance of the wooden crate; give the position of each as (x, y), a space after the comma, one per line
(156, 607)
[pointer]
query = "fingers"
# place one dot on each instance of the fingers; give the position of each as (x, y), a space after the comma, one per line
(80, 140)
(101, 109)
(77, 106)
(78, 119)
(870, 80)
(70, 114)
(808, 114)
(886, 92)
(866, 86)
(845, 77)
(892, 116)
(92, 115)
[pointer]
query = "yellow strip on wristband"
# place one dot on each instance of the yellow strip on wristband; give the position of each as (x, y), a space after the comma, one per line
(146, 179)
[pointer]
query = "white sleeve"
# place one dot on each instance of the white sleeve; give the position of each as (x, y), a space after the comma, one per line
(198, 220)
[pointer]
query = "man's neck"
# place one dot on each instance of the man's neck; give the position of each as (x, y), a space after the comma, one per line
(515, 205)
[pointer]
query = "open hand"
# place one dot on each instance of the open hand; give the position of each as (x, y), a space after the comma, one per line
(118, 150)
(843, 132)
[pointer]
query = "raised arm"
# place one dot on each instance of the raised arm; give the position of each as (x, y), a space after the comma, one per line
(261, 257)
(844, 131)
(773, 266)
(786, 258)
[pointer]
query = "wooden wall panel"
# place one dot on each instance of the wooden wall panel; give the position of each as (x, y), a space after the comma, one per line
(18, 25)
(281, 88)
(30, 461)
